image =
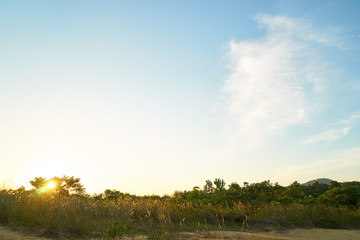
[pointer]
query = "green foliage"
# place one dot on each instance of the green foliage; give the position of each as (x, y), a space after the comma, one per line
(220, 184)
(316, 189)
(208, 188)
(345, 194)
(338, 194)
(295, 191)
(115, 231)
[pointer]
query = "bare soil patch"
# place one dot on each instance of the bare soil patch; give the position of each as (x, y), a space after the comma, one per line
(293, 234)
(7, 233)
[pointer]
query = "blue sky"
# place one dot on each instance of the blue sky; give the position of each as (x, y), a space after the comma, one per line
(156, 96)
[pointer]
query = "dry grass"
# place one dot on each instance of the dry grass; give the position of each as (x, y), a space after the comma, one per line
(159, 219)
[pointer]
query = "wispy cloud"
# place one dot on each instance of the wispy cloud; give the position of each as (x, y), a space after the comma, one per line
(275, 79)
(336, 133)
(353, 118)
(329, 135)
(294, 28)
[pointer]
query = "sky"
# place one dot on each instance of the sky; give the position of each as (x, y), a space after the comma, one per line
(149, 97)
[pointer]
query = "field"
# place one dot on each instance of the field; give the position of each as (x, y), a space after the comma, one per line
(255, 211)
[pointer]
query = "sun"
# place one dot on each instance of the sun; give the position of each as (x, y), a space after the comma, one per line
(51, 185)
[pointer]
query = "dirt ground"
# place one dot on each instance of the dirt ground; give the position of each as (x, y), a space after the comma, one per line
(8, 234)
(293, 234)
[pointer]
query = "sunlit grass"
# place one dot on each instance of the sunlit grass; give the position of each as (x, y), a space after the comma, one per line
(89, 217)
(115, 213)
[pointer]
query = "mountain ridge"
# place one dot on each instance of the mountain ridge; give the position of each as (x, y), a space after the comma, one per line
(326, 181)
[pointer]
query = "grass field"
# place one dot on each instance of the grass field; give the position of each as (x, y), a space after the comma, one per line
(159, 218)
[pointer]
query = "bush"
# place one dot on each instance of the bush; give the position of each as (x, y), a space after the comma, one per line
(115, 230)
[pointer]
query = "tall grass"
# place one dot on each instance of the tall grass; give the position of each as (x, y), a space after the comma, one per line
(86, 216)
(299, 215)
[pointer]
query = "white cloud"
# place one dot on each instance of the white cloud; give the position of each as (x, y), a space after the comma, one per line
(275, 79)
(336, 133)
(293, 28)
(329, 135)
(351, 119)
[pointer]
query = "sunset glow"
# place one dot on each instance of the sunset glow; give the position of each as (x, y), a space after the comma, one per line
(51, 185)
(152, 96)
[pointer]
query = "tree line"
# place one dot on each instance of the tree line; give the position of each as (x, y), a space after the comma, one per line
(218, 193)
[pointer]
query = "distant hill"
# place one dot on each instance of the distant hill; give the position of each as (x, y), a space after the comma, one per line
(319, 180)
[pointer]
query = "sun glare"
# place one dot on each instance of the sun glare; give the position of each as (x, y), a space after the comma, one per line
(51, 185)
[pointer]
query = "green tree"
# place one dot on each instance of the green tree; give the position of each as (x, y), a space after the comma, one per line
(219, 196)
(39, 182)
(346, 194)
(260, 192)
(65, 185)
(113, 194)
(295, 191)
(219, 183)
(208, 188)
(316, 189)
(234, 193)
